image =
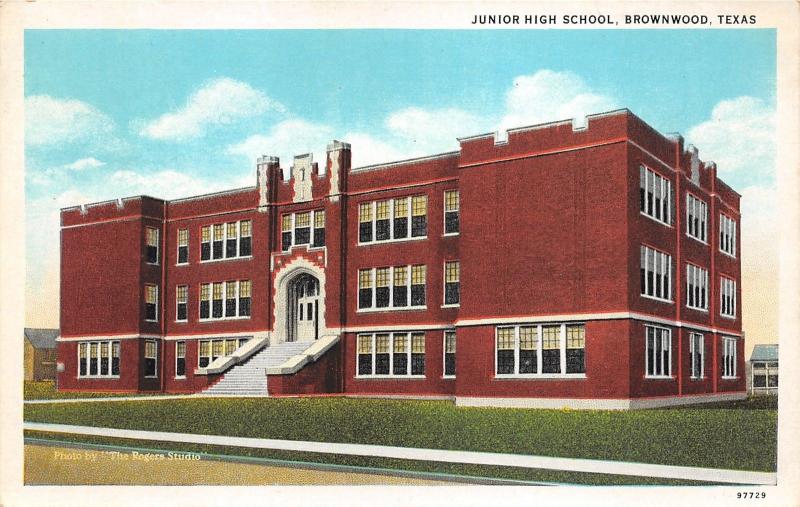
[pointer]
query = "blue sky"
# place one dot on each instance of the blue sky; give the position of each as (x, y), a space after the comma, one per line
(170, 113)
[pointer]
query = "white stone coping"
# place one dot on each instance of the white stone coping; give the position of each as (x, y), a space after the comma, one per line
(309, 355)
(239, 355)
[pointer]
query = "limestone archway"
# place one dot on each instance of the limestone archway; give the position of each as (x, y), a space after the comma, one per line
(299, 282)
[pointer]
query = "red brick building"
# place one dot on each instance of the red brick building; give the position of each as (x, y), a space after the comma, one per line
(584, 267)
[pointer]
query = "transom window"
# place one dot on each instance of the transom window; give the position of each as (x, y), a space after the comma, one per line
(230, 240)
(728, 357)
(727, 295)
(697, 355)
(451, 212)
(696, 218)
(562, 346)
(696, 287)
(389, 288)
(449, 354)
(181, 302)
(183, 246)
(656, 274)
(225, 300)
(655, 195)
(452, 284)
(658, 356)
(151, 303)
(727, 235)
(150, 358)
(151, 245)
(391, 354)
(296, 229)
(98, 359)
(387, 220)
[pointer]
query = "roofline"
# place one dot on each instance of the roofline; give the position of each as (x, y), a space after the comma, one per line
(406, 161)
(141, 196)
(212, 194)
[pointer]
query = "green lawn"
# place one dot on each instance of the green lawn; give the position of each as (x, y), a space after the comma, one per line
(706, 437)
(46, 390)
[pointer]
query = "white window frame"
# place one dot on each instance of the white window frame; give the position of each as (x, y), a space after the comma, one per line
(225, 239)
(238, 236)
(695, 206)
(444, 351)
(729, 349)
(667, 334)
(178, 247)
(155, 342)
(224, 299)
(156, 303)
(661, 260)
(445, 304)
(696, 276)
(663, 186)
(391, 306)
(87, 345)
(311, 234)
(727, 227)
(185, 365)
(445, 211)
(157, 245)
(392, 239)
(391, 373)
(540, 341)
(177, 303)
(727, 286)
(697, 344)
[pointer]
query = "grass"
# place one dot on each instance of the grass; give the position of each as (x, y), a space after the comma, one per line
(705, 437)
(46, 390)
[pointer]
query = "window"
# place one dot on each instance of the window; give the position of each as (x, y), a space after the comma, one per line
(655, 195)
(205, 243)
(697, 355)
(727, 295)
(219, 233)
(765, 375)
(391, 354)
(451, 283)
(541, 350)
(727, 235)
(151, 249)
(180, 359)
(183, 246)
(181, 302)
(230, 346)
(229, 300)
(696, 218)
(244, 298)
(451, 205)
(231, 240)
(151, 303)
(98, 359)
(656, 274)
(449, 353)
(150, 358)
(319, 228)
(205, 300)
(245, 238)
(696, 287)
(387, 220)
(286, 232)
(204, 354)
(302, 228)
(419, 216)
(389, 288)
(728, 357)
(658, 357)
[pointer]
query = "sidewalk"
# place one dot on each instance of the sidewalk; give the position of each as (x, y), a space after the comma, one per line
(433, 455)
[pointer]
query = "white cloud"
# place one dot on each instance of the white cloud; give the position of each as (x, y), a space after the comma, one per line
(547, 96)
(431, 131)
(51, 121)
(218, 102)
(368, 150)
(285, 140)
(84, 163)
(740, 138)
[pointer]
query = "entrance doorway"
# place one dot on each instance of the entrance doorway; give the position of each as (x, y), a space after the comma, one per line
(303, 305)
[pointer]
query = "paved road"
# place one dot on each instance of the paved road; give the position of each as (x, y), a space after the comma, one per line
(47, 464)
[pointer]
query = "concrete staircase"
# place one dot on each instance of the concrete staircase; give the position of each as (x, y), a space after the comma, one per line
(249, 378)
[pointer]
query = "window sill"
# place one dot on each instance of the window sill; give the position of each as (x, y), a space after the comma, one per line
(307, 246)
(539, 376)
(151, 376)
(729, 378)
(390, 309)
(697, 239)
(98, 377)
(450, 234)
(182, 321)
(152, 263)
(390, 377)
(180, 378)
(451, 305)
(181, 263)
(697, 379)
(732, 256)
(660, 300)
(729, 317)
(223, 259)
(220, 319)
(703, 310)
(448, 377)
(659, 377)
(389, 241)
(654, 219)
(150, 320)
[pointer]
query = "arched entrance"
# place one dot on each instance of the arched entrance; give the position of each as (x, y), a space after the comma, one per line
(303, 308)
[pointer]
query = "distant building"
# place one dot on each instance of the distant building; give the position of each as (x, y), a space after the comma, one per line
(762, 375)
(592, 266)
(40, 354)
